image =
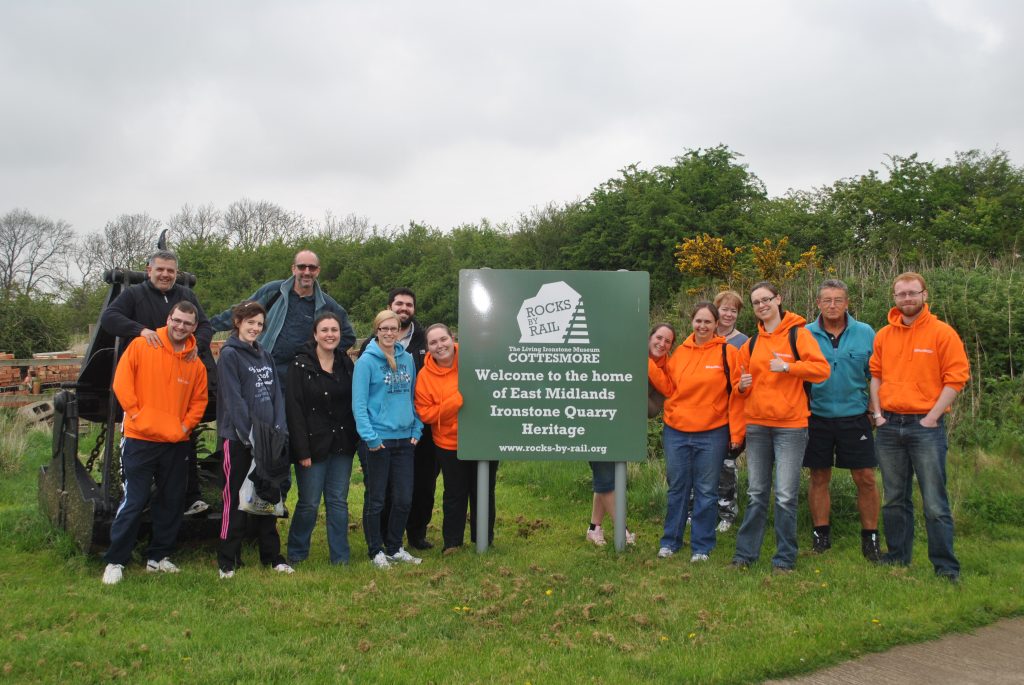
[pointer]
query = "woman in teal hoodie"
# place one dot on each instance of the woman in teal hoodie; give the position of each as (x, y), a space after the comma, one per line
(382, 401)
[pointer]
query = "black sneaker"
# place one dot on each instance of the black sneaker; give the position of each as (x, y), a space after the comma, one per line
(870, 549)
(421, 544)
(820, 542)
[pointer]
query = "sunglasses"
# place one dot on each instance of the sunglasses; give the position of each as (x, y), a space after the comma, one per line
(307, 267)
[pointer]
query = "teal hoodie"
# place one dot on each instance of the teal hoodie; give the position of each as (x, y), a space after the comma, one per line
(845, 392)
(382, 398)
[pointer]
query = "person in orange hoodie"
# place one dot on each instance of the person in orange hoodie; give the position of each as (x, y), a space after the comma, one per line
(918, 368)
(438, 401)
(775, 363)
(702, 420)
(162, 391)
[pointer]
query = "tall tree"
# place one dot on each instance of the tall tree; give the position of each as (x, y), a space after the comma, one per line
(33, 252)
(250, 224)
(199, 225)
(125, 242)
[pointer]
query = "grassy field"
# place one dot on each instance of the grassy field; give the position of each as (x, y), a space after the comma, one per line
(542, 606)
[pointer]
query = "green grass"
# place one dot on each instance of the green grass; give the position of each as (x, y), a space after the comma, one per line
(541, 607)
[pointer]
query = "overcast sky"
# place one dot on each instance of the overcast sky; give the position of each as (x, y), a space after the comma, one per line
(448, 112)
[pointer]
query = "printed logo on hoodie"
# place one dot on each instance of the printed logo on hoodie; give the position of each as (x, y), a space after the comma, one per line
(396, 381)
(264, 382)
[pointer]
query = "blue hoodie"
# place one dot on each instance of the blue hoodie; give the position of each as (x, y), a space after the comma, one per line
(845, 393)
(382, 398)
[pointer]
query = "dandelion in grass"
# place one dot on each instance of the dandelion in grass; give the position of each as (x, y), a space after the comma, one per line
(692, 635)
(824, 584)
(875, 621)
(549, 592)
(664, 638)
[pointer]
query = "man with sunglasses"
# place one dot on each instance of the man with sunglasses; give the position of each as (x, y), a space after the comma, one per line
(918, 368)
(292, 304)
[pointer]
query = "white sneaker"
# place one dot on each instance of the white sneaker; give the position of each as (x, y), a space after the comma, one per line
(225, 574)
(162, 566)
(724, 526)
(630, 538)
(112, 574)
(283, 568)
(197, 507)
(698, 558)
(404, 557)
(381, 560)
(596, 536)
(665, 553)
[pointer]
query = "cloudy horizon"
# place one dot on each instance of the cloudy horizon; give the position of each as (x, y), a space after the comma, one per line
(451, 112)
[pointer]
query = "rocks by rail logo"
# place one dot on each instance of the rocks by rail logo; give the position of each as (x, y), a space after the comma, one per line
(554, 315)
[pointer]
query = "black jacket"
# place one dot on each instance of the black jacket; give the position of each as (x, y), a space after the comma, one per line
(319, 406)
(417, 345)
(146, 306)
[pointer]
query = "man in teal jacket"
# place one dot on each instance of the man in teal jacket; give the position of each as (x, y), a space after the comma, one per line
(292, 304)
(839, 430)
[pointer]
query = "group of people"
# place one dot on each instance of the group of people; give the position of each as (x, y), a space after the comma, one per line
(792, 394)
(287, 391)
(807, 395)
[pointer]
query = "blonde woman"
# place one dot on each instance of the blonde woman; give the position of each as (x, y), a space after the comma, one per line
(382, 402)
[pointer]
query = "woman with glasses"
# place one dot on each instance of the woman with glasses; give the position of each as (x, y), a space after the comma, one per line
(702, 420)
(323, 437)
(382, 401)
(775, 363)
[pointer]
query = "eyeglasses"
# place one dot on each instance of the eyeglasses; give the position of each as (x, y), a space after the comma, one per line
(763, 300)
(307, 267)
(908, 294)
(183, 323)
(832, 300)
(387, 329)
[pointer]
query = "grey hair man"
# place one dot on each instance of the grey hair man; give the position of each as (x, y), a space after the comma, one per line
(839, 430)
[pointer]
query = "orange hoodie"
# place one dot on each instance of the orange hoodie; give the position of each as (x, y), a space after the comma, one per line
(915, 362)
(438, 400)
(778, 399)
(693, 383)
(159, 391)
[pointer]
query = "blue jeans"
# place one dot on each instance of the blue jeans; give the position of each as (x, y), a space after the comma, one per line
(906, 448)
(391, 464)
(783, 449)
(328, 478)
(693, 461)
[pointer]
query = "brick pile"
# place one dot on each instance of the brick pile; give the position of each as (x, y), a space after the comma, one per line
(56, 372)
(9, 375)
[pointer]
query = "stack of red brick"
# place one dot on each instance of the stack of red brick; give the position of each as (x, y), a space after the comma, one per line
(9, 375)
(56, 372)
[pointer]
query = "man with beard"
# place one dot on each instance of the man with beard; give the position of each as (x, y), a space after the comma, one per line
(402, 301)
(918, 367)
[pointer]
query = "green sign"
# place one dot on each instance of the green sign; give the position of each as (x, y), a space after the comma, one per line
(553, 365)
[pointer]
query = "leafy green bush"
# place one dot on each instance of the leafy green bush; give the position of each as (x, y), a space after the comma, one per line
(31, 324)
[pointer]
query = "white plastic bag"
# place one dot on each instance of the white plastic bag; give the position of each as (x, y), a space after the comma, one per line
(251, 503)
